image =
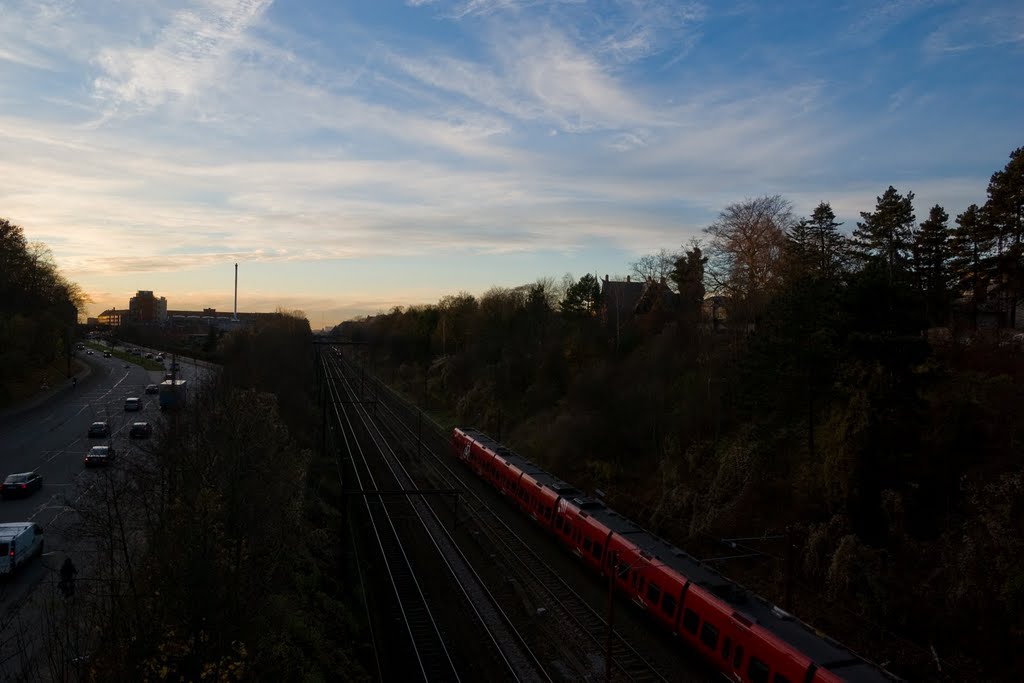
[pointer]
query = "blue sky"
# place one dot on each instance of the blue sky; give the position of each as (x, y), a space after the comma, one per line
(354, 156)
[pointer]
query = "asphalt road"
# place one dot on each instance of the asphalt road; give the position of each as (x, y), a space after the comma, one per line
(51, 438)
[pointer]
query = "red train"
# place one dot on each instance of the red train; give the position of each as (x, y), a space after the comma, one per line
(739, 633)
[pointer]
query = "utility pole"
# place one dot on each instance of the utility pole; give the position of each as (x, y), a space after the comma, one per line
(73, 315)
(787, 599)
(611, 617)
(419, 435)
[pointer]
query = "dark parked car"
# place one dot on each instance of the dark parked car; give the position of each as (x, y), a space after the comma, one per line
(99, 430)
(140, 430)
(152, 389)
(99, 455)
(21, 484)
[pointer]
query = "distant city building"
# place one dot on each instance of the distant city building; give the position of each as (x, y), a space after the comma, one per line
(144, 307)
(208, 317)
(113, 317)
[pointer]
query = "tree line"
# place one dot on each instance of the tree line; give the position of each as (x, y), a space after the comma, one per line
(854, 390)
(39, 309)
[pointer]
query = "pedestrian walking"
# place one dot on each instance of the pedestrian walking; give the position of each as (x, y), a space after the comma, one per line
(67, 577)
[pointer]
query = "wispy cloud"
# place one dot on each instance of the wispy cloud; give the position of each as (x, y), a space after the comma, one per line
(192, 51)
(975, 29)
(542, 76)
(649, 28)
(872, 21)
(26, 57)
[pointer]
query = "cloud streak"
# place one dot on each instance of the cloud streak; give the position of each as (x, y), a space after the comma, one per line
(192, 51)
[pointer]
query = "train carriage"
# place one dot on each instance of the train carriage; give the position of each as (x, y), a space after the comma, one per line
(536, 491)
(543, 491)
(470, 446)
(741, 634)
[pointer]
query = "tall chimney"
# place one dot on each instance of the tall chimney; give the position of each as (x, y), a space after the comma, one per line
(235, 317)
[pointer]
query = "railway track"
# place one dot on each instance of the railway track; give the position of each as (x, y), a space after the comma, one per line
(584, 631)
(395, 516)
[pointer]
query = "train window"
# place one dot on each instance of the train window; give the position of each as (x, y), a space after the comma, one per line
(598, 548)
(757, 672)
(558, 523)
(691, 621)
(737, 661)
(653, 592)
(726, 647)
(668, 604)
(779, 678)
(623, 571)
(586, 544)
(709, 635)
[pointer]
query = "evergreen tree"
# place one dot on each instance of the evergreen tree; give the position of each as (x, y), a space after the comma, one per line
(971, 244)
(815, 246)
(886, 234)
(1005, 211)
(933, 253)
(688, 276)
(583, 297)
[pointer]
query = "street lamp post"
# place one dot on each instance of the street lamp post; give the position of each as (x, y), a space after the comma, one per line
(613, 569)
(72, 321)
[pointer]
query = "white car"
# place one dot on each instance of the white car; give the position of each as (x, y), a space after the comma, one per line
(19, 543)
(132, 404)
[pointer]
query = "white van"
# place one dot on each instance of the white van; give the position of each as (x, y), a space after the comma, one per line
(19, 543)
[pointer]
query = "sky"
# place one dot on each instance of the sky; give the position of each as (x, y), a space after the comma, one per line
(356, 156)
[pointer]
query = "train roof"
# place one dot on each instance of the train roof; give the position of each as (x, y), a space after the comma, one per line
(543, 477)
(823, 650)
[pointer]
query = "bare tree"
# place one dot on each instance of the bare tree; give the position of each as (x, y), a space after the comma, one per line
(745, 251)
(656, 267)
